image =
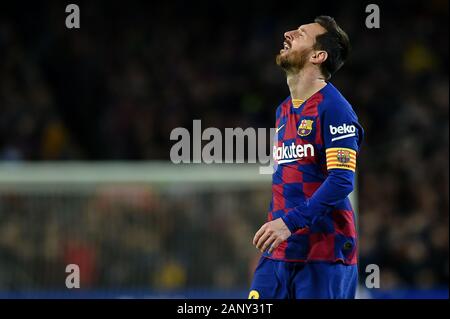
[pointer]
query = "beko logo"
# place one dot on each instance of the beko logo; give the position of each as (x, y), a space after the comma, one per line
(347, 130)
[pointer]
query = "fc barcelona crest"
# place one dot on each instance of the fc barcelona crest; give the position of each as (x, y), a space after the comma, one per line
(305, 127)
(343, 156)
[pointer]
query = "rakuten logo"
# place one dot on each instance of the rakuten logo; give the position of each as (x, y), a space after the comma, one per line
(285, 154)
(343, 129)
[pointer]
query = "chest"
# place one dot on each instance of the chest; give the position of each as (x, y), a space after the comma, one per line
(293, 126)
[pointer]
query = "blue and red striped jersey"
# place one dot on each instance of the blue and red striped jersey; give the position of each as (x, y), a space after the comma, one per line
(315, 150)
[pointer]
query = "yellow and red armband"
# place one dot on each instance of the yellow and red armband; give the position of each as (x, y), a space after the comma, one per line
(340, 157)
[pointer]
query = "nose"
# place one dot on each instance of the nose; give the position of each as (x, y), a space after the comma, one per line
(289, 35)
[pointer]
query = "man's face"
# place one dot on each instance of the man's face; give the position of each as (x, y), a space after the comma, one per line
(298, 46)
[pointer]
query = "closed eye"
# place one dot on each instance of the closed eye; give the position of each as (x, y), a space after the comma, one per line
(302, 32)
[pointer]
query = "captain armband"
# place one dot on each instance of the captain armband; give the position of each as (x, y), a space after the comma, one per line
(340, 157)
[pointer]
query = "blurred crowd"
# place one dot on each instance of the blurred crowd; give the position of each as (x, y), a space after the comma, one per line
(132, 237)
(115, 89)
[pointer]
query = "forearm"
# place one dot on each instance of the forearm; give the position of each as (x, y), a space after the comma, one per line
(337, 186)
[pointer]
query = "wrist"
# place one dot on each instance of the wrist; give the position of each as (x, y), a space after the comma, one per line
(292, 221)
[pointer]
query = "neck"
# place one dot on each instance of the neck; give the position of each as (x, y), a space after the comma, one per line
(304, 84)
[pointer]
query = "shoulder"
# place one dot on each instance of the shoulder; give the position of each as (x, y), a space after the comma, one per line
(283, 105)
(334, 103)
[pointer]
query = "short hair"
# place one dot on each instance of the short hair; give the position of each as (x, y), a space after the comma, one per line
(335, 42)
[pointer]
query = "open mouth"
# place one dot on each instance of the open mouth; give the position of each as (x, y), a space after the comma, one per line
(286, 46)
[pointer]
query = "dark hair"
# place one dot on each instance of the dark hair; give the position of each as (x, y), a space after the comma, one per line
(335, 42)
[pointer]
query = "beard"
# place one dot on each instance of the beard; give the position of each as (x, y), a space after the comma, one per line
(293, 61)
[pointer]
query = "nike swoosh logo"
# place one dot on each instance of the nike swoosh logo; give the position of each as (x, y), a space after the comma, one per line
(278, 129)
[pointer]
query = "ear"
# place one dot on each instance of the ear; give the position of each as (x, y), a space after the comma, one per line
(319, 57)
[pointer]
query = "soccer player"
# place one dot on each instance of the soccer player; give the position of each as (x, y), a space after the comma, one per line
(309, 243)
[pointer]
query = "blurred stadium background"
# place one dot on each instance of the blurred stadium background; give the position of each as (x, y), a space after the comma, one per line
(85, 120)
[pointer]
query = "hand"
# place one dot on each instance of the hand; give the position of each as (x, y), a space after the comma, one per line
(271, 234)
